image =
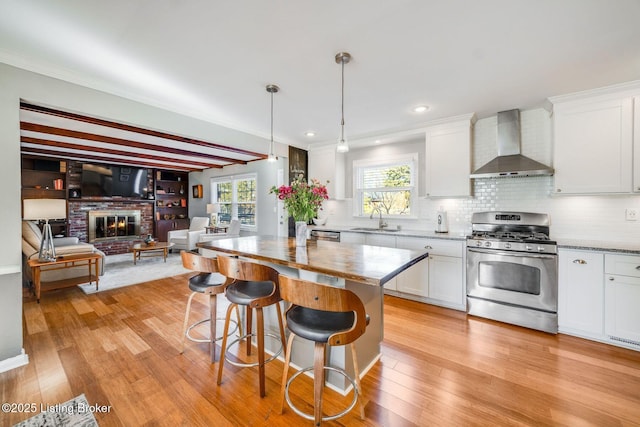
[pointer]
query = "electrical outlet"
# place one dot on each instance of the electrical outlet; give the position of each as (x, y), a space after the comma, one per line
(631, 214)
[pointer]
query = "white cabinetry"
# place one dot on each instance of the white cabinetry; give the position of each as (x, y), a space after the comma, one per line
(414, 280)
(325, 164)
(448, 159)
(441, 280)
(594, 141)
(349, 237)
(446, 272)
(636, 144)
(387, 242)
(622, 299)
(581, 293)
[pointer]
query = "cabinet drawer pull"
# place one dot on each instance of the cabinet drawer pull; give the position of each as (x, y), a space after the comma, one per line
(579, 261)
(611, 279)
(429, 247)
(638, 267)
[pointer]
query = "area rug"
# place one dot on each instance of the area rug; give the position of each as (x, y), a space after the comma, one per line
(75, 412)
(120, 271)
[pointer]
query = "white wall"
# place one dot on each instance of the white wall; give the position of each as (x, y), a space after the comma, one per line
(17, 84)
(599, 218)
(267, 174)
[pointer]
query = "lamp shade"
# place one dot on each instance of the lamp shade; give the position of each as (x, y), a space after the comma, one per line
(46, 209)
(212, 208)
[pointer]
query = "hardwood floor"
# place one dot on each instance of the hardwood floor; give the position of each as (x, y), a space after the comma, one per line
(439, 367)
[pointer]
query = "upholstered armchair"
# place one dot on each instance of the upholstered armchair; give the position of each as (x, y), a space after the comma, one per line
(187, 239)
(31, 238)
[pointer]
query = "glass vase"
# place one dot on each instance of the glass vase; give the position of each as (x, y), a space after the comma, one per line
(301, 233)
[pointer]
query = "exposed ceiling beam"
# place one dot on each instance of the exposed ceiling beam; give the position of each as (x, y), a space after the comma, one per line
(51, 130)
(66, 155)
(81, 149)
(93, 120)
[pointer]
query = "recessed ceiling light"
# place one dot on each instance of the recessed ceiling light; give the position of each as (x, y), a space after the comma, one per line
(377, 141)
(420, 109)
(310, 134)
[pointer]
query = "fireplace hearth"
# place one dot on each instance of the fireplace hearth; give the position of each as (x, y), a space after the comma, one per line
(110, 225)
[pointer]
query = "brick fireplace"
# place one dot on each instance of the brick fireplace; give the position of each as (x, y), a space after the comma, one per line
(111, 243)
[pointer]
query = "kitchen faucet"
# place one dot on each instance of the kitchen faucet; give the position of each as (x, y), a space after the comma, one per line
(381, 222)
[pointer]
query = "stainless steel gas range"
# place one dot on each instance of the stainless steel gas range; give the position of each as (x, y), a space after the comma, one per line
(512, 269)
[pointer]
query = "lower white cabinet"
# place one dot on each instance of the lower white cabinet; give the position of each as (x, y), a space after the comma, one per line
(581, 293)
(441, 277)
(622, 299)
(445, 278)
(349, 237)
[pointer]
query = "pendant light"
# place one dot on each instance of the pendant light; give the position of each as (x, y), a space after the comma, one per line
(342, 147)
(272, 89)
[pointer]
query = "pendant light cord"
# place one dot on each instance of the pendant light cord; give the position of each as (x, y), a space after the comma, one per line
(342, 122)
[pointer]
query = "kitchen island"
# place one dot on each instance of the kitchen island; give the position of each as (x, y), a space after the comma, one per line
(362, 269)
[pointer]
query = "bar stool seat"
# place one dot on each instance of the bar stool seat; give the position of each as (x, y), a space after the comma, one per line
(326, 315)
(317, 325)
(243, 293)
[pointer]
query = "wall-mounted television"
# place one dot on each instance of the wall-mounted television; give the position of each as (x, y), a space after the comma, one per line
(109, 181)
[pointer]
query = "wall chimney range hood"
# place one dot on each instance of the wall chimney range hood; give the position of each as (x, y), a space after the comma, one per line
(510, 163)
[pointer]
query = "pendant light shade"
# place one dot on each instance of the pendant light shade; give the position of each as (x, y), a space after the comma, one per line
(342, 147)
(272, 89)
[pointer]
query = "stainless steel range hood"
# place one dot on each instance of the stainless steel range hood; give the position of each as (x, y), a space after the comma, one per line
(509, 161)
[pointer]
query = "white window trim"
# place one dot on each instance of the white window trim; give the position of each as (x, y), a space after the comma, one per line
(234, 203)
(411, 158)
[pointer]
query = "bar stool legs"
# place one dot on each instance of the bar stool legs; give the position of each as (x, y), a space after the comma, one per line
(212, 319)
(259, 334)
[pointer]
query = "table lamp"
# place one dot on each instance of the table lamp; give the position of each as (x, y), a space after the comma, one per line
(213, 209)
(45, 209)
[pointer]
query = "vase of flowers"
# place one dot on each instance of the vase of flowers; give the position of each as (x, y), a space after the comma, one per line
(302, 200)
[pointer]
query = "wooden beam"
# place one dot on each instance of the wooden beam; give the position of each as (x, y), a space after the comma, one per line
(33, 127)
(93, 120)
(77, 148)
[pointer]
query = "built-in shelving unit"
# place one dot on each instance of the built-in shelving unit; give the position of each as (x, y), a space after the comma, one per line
(172, 199)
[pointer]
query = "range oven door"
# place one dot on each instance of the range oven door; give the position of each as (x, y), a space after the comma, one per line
(515, 278)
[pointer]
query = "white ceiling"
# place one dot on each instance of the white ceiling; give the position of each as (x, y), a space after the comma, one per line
(212, 59)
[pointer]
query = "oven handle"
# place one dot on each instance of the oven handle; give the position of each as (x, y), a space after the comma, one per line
(513, 254)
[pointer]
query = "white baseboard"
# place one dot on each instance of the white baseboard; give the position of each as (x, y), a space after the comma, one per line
(14, 362)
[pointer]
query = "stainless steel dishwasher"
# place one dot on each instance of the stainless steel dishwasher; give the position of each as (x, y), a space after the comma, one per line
(333, 236)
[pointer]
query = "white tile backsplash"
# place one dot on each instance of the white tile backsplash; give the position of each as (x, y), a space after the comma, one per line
(600, 218)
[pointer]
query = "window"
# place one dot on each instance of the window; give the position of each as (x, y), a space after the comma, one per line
(236, 196)
(388, 184)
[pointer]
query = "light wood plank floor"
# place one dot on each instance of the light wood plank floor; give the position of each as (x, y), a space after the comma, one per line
(439, 367)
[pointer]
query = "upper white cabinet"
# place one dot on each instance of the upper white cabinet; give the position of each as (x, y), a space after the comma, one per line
(594, 142)
(448, 159)
(325, 164)
(636, 144)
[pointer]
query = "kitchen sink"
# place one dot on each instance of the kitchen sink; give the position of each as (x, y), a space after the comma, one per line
(386, 230)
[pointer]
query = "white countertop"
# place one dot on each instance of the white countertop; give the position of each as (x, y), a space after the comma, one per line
(393, 232)
(592, 245)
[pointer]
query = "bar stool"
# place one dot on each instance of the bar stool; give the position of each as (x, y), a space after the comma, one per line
(207, 283)
(325, 315)
(254, 286)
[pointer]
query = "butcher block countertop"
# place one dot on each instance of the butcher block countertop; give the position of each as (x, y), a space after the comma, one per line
(372, 265)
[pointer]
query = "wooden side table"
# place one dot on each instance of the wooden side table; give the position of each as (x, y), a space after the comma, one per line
(90, 259)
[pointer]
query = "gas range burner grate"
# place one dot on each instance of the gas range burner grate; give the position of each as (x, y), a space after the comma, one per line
(511, 236)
